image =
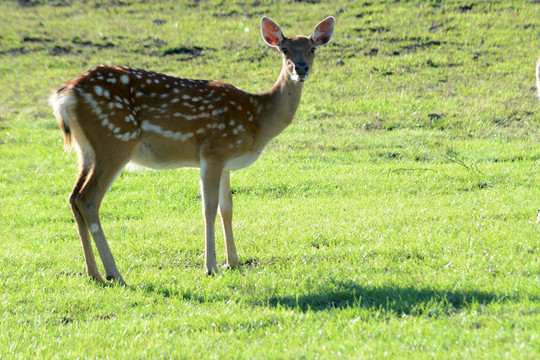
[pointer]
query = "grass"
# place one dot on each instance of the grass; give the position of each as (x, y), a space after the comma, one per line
(396, 217)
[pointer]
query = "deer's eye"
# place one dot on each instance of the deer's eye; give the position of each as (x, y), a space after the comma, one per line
(313, 50)
(285, 51)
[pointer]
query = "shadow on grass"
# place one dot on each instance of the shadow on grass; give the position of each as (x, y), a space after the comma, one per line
(345, 295)
(398, 300)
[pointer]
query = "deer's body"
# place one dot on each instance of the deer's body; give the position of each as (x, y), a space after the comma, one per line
(115, 115)
(171, 122)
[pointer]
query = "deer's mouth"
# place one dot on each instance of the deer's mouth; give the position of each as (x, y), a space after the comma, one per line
(298, 78)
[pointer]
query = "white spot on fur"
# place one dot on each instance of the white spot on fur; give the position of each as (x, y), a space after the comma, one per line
(98, 90)
(94, 228)
(124, 79)
(93, 104)
(147, 126)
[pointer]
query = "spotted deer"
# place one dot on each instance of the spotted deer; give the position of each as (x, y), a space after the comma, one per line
(116, 115)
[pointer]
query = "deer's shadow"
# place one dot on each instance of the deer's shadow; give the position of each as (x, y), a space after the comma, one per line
(399, 300)
(347, 294)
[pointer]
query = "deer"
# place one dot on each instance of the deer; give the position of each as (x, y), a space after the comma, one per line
(116, 115)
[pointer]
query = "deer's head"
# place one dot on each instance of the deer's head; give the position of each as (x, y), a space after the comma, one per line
(298, 51)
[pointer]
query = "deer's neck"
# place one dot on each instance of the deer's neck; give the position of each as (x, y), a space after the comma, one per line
(278, 106)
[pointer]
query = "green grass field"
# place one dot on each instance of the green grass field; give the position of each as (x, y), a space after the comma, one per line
(395, 218)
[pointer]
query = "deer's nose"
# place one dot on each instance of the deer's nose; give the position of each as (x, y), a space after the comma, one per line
(301, 68)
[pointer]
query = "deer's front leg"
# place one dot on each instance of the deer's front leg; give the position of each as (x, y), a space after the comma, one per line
(226, 212)
(210, 178)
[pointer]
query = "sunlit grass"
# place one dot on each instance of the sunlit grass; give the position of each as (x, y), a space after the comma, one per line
(396, 217)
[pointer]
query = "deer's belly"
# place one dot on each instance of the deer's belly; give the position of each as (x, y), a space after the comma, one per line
(241, 162)
(162, 155)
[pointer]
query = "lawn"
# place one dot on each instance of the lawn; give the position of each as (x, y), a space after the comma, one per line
(395, 218)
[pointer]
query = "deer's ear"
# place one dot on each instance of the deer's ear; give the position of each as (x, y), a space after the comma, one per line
(323, 32)
(271, 32)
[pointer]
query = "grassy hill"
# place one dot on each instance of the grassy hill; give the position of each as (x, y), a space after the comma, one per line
(396, 216)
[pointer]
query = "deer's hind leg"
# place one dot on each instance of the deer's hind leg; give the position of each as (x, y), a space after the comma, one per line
(104, 171)
(98, 170)
(84, 233)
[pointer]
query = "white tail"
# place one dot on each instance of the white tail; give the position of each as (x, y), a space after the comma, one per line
(538, 77)
(115, 115)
